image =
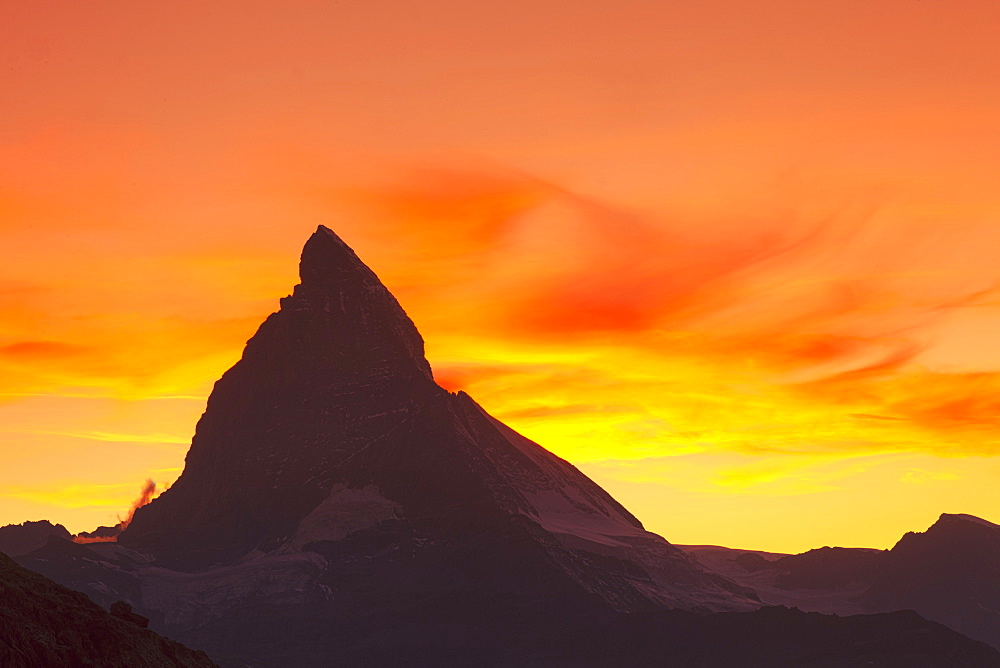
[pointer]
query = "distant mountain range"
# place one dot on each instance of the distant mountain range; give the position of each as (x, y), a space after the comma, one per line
(949, 574)
(18, 539)
(338, 507)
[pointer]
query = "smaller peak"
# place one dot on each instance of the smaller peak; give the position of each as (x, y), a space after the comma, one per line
(44, 526)
(962, 517)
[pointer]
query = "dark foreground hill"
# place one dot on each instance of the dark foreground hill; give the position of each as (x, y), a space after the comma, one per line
(338, 507)
(277, 626)
(44, 625)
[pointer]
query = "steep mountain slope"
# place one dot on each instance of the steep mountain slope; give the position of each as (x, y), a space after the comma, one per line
(44, 624)
(103, 571)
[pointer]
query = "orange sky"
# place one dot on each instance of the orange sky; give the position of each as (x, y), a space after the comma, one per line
(735, 260)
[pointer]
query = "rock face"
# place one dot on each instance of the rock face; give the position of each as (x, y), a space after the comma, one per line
(44, 624)
(18, 539)
(338, 507)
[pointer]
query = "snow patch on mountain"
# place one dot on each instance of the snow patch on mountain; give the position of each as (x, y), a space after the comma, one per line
(343, 512)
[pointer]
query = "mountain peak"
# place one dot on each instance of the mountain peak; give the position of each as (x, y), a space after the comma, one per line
(354, 317)
(323, 229)
(267, 448)
(962, 517)
(326, 259)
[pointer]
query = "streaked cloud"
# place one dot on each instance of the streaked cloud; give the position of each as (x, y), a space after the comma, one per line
(118, 438)
(74, 495)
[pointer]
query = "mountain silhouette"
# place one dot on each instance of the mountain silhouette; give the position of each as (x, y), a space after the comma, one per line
(18, 539)
(331, 423)
(338, 507)
(949, 573)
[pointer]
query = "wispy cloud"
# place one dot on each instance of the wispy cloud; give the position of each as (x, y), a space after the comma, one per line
(114, 437)
(74, 495)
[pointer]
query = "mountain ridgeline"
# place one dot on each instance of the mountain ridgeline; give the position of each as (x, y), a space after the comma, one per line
(338, 507)
(949, 574)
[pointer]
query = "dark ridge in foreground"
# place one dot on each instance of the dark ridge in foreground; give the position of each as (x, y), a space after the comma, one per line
(780, 636)
(44, 625)
(431, 614)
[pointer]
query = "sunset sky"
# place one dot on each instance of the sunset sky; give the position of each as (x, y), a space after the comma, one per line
(738, 261)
